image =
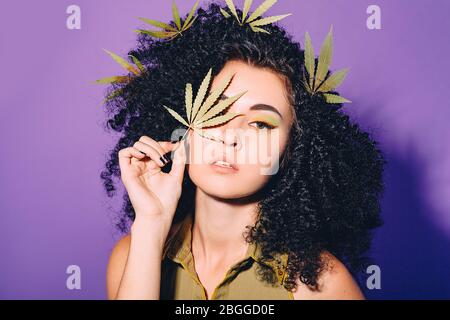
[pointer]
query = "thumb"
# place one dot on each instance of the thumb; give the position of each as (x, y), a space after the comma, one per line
(179, 160)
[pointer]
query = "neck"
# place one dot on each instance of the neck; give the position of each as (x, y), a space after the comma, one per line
(219, 224)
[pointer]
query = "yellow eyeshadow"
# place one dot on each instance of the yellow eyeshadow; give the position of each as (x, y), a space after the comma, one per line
(269, 119)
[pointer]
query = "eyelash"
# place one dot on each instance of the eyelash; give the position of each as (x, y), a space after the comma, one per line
(267, 126)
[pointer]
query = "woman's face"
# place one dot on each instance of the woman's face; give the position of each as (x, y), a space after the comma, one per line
(252, 142)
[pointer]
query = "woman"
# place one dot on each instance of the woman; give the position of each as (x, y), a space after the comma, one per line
(236, 233)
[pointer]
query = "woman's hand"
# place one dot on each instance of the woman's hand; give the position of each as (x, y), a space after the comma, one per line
(134, 269)
(153, 193)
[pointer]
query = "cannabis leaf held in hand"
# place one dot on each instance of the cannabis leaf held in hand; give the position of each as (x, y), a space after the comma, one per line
(202, 113)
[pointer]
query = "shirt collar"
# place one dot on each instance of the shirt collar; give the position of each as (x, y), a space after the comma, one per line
(178, 249)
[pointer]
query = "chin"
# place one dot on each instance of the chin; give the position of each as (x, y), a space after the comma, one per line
(226, 195)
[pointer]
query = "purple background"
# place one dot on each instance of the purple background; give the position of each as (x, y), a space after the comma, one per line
(54, 212)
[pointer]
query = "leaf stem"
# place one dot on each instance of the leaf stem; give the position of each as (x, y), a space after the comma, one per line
(185, 134)
(207, 137)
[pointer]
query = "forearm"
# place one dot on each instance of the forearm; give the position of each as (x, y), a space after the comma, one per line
(142, 274)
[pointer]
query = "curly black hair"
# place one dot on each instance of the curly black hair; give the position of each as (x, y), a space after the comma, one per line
(325, 197)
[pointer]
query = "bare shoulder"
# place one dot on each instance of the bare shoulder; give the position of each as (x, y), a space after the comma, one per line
(335, 283)
(118, 260)
(116, 265)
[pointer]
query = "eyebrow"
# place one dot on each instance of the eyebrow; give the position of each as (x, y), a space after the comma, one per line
(259, 106)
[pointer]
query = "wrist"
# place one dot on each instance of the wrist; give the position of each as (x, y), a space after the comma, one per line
(149, 230)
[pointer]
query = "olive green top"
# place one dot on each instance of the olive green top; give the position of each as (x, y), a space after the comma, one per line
(180, 281)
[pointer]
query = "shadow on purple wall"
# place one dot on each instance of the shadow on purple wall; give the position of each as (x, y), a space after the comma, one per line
(409, 249)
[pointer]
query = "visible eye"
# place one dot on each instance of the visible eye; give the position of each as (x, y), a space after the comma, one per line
(263, 125)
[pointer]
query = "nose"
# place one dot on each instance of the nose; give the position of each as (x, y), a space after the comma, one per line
(230, 137)
(230, 140)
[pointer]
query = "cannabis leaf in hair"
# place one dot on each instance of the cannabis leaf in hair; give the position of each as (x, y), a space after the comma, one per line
(137, 70)
(203, 113)
(252, 19)
(317, 82)
(167, 31)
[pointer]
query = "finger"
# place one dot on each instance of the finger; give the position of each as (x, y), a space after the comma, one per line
(150, 152)
(126, 154)
(169, 146)
(179, 161)
(155, 144)
(163, 147)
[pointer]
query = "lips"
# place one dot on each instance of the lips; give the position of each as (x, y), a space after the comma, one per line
(222, 162)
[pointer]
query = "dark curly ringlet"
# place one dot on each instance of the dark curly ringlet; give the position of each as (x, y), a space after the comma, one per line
(326, 197)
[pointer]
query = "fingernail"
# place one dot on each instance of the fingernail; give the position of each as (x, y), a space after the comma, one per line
(163, 160)
(167, 159)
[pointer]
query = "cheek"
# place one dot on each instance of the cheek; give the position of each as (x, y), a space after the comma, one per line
(253, 176)
(263, 149)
